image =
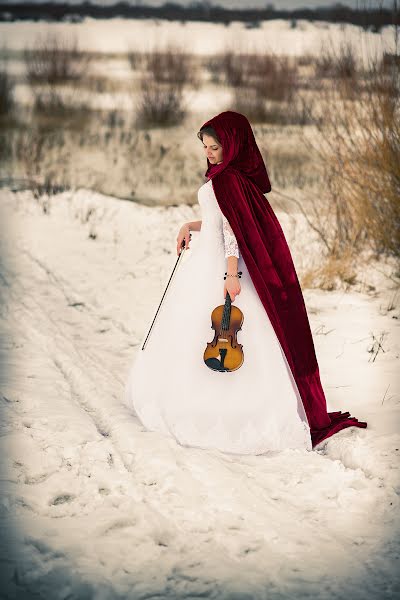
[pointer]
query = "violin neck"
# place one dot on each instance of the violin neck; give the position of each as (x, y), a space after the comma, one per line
(226, 317)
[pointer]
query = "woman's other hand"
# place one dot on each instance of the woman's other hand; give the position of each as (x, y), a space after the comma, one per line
(232, 285)
(184, 234)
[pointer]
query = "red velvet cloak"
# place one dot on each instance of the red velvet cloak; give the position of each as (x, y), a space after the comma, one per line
(239, 183)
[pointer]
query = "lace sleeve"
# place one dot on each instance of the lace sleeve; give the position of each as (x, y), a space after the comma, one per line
(230, 242)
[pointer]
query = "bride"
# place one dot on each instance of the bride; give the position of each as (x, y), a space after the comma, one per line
(274, 400)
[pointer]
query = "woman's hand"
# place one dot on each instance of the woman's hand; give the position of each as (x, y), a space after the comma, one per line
(184, 234)
(232, 285)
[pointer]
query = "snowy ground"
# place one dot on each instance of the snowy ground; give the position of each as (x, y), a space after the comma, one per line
(94, 506)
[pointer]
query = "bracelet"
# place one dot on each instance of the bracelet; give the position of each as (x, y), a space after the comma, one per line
(239, 274)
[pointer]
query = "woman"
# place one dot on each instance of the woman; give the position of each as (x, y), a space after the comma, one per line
(275, 399)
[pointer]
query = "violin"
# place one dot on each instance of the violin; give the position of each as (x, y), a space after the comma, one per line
(224, 353)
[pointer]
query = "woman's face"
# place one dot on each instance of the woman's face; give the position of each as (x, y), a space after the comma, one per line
(212, 149)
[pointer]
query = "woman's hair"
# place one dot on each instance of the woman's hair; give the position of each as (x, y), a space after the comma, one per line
(208, 130)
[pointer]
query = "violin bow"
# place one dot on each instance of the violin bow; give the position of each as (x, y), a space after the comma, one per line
(165, 291)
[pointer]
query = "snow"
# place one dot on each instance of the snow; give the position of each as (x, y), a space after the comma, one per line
(120, 35)
(94, 506)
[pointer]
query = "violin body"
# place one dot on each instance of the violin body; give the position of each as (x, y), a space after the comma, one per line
(224, 353)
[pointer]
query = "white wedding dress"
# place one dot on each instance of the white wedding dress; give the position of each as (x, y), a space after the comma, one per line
(252, 410)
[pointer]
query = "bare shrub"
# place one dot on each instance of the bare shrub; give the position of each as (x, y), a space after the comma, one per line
(265, 85)
(324, 64)
(346, 64)
(338, 64)
(383, 77)
(29, 150)
(305, 60)
(135, 59)
(213, 64)
(250, 103)
(228, 67)
(233, 67)
(55, 59)
(170, 64)
(53, 62)
(359, 146)
(39, 159)
(159, 104)
(274, 76)
(6, 93)
(390, 60)
(53, 105)
(49, 100)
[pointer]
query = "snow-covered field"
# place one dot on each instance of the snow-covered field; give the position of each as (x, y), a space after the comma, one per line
(120, 35)
(94, 506)
(105, 151)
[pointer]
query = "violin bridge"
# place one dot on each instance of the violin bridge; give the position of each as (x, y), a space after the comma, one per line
(223, 340)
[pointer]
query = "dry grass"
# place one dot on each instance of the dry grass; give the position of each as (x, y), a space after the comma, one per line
(273, 76)
(6, 93)
(305, 60)
(359, 146)
(159, 105)
(55, 107)
(292, 167)
(250, 103)
(103, 84)
(332, 273)
(55, 67)
(276, 78)
(337, 64)
(55, 59)
(166, 70)
(135, 59)
(264, 85)
(170, 64)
